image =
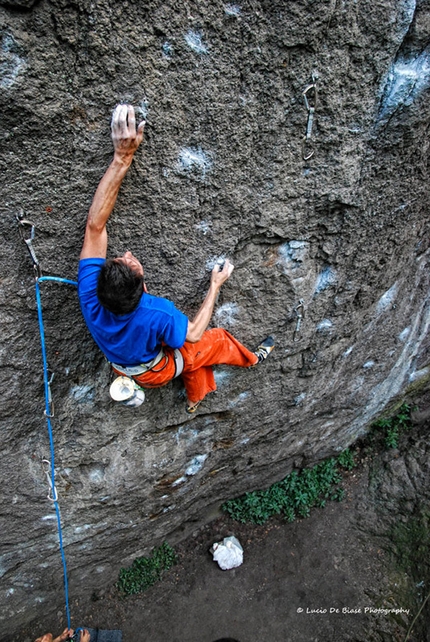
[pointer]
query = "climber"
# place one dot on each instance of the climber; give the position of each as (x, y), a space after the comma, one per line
(67, 634)
(143, 336)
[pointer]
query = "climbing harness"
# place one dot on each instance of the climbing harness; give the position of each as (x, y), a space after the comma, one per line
(49, 408)
(310, 97)
(136, 371)
(129, 392)
(300, 313)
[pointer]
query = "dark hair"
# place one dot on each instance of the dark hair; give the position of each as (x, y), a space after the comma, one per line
(119, 288)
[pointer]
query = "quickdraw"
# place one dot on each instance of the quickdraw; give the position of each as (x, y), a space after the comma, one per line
(52, 494)
(300, 313)
(310, 97)
(23, 223)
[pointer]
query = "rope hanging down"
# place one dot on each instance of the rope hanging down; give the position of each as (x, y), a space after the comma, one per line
(49, 413)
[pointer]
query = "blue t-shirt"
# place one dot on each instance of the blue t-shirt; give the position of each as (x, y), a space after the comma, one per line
(132, 338)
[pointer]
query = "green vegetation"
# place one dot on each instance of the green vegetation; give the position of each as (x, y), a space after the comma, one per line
(346, 460)
(395, 426)
(145, 571)
(295, 495)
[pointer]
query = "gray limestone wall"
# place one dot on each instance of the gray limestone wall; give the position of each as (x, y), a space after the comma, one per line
(341, 239)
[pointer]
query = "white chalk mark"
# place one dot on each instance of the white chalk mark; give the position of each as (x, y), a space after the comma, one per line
(298, 400)
(221, 377)
(167, 49)
(195, 465)
(238, 400)
(324, 326)
(193, 159)
(96, 475)
(387, 299)
(232, 10)
(293, 254)
(404, 334)
(11, 62)
(325, 279)
(210, 263)
(226, 314)
(194, 41)
(142, 109)
(83, 393)
(204, 227)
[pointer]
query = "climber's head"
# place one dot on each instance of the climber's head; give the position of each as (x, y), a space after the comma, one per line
(120, 284)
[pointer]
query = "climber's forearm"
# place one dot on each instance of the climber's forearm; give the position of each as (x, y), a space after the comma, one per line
(126, 139)
(198, 325)
(95, 241)
(201, 320)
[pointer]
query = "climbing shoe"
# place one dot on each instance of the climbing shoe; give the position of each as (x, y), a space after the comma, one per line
(191, 409)
(264, 349)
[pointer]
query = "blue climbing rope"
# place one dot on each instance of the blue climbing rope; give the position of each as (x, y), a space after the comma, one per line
(48, 414)
(58, 279)
(28, 238)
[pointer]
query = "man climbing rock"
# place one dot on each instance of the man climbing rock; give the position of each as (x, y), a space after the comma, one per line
(143, 336)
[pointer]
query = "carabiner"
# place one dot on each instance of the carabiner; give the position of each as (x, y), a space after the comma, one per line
(307, 155)
(300, 306)
(310, 97)
(309, 106)
(51, 408)
(51, 482)
(22, 222)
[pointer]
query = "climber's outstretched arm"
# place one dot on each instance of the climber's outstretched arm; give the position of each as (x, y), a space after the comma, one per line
(126, 139)
(198, 325)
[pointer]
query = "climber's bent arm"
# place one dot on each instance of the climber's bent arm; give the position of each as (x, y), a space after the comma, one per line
(126, 139)
(203, 316)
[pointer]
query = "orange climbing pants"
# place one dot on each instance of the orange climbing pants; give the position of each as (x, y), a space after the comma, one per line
(217, 346)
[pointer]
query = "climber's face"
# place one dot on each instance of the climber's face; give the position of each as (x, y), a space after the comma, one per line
(129, 259)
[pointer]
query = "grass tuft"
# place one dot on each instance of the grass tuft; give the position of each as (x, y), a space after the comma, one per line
(395, 426)
(145, 571)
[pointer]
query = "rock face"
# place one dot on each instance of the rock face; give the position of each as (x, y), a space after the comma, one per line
(331, 255)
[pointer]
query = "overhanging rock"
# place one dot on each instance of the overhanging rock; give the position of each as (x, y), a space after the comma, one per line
(341, 240)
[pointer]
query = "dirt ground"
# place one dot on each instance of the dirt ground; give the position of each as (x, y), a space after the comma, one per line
(337, 576)
(319, 579)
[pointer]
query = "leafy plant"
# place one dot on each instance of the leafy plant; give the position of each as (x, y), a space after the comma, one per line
(294, 496)
(395, 426)
(346, 460)
(145, 571)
